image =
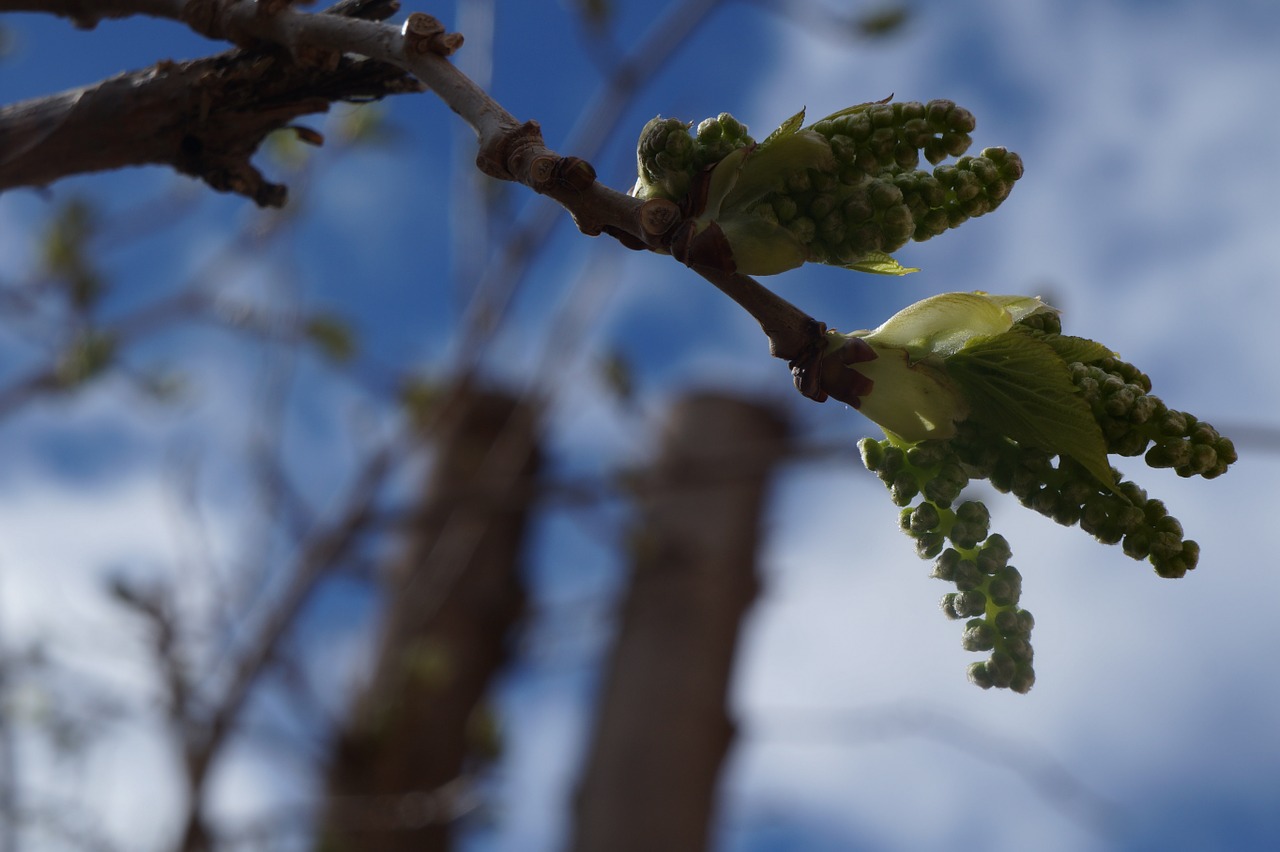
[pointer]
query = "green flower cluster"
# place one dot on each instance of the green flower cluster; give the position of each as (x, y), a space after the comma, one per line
(988, 588)
(1058, 467)
(668, 156)
(1071, 495)
(885, 199)
(1133, 422)
(845, 191)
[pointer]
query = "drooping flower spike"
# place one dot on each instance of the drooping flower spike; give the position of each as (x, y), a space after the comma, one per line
(974, 386)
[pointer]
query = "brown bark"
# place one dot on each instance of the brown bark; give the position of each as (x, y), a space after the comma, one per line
(397, 777)
(204, 118)
(662, 729)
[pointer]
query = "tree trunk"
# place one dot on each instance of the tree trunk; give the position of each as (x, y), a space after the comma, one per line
(662, 729)
(398, 777)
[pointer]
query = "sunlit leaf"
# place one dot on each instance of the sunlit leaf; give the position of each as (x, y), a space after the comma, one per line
(881, 263)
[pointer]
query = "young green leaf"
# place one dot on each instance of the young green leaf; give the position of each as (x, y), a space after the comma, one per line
(1021, 386)
(1076, 350)
(880, 263)
(787, 128)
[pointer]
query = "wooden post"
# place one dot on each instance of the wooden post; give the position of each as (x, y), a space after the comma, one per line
(662, 729)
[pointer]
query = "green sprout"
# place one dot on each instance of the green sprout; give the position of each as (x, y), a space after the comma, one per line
(965, 385)
(974, 386)
(844, 191)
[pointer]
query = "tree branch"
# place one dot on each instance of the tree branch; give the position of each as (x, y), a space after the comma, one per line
(508, 149)
(323, 552)
(204, 118)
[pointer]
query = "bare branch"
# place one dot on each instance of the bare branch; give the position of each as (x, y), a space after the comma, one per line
(204, 118)
(508, 149)
(320, 556)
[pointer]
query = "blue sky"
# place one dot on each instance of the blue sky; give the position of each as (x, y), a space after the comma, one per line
(1147, 214)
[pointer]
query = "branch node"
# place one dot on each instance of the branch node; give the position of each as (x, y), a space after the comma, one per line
(658, 216)
(503, 155)
(806, 366)
(575, 173)
(542, 172)
(424, 34)
(820, 372)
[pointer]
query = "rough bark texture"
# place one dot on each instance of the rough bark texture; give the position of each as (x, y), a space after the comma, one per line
(395, 777)
(204, 118)
(662, 729)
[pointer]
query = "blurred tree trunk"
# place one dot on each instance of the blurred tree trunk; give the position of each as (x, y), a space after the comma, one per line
(662, 729)
(397, 777)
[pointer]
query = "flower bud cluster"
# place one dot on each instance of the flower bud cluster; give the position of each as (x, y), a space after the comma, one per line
(873, 137)
(1072, 496)
(668, 156)
(874, 199)
(1133, 420)
(848, 196)
(1038, 414)
(967, 555)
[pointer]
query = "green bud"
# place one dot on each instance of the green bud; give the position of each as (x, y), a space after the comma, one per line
(978, 636)
(1019, 649)
(928, 454)
(664, 160)
(970, 603)
(966, 536)
(1005, 587)
(1137, 544)
(1025, 622)
(1002, 668)
(945, 567)
(979, 675)
(1006, 623)
(1023, 680)
(967, 577)
(894, 460)
(994, 555)
(973, 512)
(924, 518)
(904, 488)
(929, 545)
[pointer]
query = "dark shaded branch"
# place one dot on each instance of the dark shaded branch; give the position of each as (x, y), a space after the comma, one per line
(204, 118)
(508, 149)
(322, 554)
(396, 780)
(506, 273)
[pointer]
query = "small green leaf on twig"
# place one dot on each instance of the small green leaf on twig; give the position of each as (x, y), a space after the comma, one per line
(881, 263)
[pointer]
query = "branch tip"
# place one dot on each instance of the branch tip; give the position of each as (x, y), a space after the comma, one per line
(425, 34)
